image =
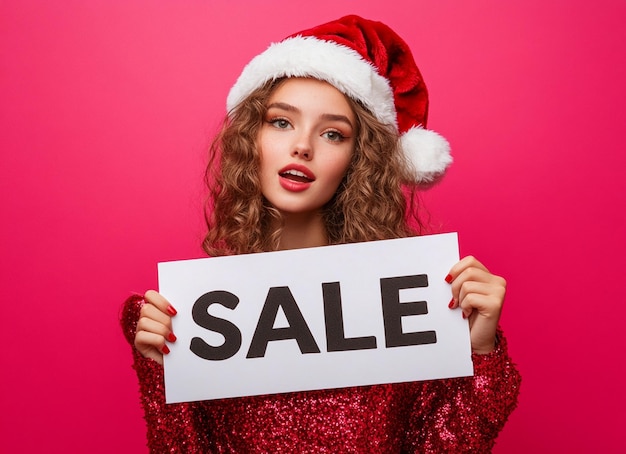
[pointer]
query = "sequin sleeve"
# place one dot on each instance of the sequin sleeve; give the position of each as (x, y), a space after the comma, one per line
(172, 428)
(465, 415)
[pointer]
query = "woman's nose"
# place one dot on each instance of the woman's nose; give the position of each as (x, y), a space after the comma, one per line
(303, 147)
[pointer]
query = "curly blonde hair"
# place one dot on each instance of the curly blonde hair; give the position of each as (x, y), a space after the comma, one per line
(370, 203)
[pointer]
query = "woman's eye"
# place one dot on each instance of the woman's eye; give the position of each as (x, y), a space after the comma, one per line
(334, 136)
(280, 123)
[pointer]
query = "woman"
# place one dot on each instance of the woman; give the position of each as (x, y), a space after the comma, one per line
(325, 144)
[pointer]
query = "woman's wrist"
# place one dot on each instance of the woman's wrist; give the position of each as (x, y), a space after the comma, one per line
(487, 348)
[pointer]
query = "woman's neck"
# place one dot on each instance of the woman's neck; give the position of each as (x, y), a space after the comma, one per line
(302, 232)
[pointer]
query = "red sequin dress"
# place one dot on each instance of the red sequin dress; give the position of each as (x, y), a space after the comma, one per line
(440, 416)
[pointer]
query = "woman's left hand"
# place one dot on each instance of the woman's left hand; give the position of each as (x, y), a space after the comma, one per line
(480, 295)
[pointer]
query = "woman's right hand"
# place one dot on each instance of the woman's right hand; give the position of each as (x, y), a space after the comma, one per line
(155, 327)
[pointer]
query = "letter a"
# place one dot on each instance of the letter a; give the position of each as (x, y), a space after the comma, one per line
(265, 332)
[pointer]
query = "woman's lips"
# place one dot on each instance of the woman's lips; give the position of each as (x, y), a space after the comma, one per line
(295, 178)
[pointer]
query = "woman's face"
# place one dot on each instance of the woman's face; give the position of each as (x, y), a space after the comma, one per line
(306, 144)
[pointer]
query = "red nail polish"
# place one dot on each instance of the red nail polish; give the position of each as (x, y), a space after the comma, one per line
(165, 349)
(448, 278)
(464, 316)
(171, 310)
(451, 303)
(171, 337)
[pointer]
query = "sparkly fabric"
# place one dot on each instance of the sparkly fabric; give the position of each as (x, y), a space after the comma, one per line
(439, 416)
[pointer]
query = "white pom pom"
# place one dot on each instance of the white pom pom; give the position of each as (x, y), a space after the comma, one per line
(428, 152)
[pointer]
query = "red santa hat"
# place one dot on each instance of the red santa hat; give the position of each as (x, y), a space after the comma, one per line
(370, 63)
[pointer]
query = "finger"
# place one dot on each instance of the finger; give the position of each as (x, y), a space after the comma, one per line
(159, 301)
(464, 284)
(153, 313)
(481, 288)
(488, 306)
(462, 265)
(477, 275)
(151, 345)
(156, 327)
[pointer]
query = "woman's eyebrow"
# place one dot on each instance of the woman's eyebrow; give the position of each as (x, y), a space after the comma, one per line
(283, 106)
(336, 117)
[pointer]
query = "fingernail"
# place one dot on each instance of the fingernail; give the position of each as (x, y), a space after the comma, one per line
(464, 316)
(451, 303)
(171, 337)
(165, 349)
(171, 310)
(448, 278)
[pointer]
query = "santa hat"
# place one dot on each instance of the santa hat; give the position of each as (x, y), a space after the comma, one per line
(368, 62)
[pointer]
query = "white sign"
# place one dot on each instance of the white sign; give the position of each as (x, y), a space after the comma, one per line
(317, 318)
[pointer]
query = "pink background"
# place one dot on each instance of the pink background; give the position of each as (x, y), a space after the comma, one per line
(106, 110)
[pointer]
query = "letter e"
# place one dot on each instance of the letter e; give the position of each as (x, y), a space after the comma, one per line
(394, 310)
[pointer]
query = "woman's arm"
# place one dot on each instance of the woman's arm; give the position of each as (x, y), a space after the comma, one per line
(175, 428)
(465, 415)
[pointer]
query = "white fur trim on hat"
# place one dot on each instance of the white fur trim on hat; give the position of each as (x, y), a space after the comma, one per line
(342, 67)
(427, 151)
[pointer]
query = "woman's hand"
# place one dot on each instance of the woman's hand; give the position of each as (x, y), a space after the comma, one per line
(480, 295)
(155, 327)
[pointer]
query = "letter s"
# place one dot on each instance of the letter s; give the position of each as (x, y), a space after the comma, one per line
(232, 335)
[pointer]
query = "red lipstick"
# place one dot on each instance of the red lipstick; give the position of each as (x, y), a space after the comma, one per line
(295, 178)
